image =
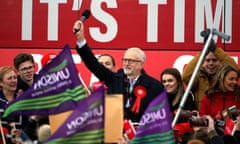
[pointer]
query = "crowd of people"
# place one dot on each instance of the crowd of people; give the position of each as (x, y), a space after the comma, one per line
(13, 82)
(214, 94)
(218, 77)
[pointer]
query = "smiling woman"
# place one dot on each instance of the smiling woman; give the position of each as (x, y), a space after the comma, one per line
(223, 93)
(173, 84)
(8, 84)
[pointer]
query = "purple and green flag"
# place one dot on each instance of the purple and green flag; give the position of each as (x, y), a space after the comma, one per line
(155, 125)
(85, 125)
(57, 88)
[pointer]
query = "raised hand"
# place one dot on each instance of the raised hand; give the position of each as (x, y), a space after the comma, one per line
(78, 30)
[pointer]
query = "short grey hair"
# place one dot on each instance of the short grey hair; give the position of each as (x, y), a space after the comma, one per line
(141, 54)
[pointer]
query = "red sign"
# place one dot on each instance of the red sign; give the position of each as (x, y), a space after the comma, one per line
(151, 25)
(167, 30)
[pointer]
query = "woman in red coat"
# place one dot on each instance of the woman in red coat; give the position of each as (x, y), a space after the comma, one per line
(222, 94)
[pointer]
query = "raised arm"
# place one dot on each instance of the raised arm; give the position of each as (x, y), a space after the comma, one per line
(87, 55)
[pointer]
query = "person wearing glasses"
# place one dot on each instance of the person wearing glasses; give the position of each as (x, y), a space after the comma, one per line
(127, 80)
(24, 64)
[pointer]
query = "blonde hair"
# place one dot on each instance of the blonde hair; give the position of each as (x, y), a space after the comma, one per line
(218, 83)
(4, 70)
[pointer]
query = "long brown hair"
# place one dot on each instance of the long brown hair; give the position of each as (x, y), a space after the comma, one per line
(218, 83)
(180, 89)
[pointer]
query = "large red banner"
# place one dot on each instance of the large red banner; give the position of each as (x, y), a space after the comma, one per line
(118, 24)
(168, 30)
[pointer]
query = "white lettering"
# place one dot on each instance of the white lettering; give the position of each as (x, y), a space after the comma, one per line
(153, 116)
(179, 19)
(181, 61)
(205, 17)
(53, 18)
(52, 78)
(152, 18)
(76, 5)
(26, 19)
(78, 121)
(204, 8)
(105, 18)
(85, 117)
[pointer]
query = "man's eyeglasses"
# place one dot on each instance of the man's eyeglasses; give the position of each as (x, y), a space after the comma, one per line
(26, 69)
(130, 60)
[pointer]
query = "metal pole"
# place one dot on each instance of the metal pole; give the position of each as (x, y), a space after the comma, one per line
(201, 58)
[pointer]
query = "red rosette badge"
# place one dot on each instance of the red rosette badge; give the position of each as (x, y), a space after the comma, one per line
(140, 92)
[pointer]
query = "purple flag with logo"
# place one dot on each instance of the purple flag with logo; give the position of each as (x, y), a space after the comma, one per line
(155, 124)
(85, 124)
(56, 89)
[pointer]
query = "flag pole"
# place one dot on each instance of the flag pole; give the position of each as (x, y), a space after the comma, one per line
(201, 58)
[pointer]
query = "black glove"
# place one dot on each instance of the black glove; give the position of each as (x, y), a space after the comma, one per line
(205, 34)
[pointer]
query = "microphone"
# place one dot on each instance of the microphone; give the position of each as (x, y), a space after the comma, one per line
(85, 15)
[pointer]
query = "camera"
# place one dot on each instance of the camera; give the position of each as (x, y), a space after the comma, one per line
(198, 122)
(232, 112)
(219, 123)
(186, 115)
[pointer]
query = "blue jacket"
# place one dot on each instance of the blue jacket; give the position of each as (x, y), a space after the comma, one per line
(21, 121)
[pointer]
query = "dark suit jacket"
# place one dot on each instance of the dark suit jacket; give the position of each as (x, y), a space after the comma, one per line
(117, 82)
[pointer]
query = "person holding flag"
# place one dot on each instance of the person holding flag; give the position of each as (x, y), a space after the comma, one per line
(25, 66)
(8, 84)
(138, 88)
(56, 89)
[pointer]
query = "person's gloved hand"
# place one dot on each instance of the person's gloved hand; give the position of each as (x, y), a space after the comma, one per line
(205, 34)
